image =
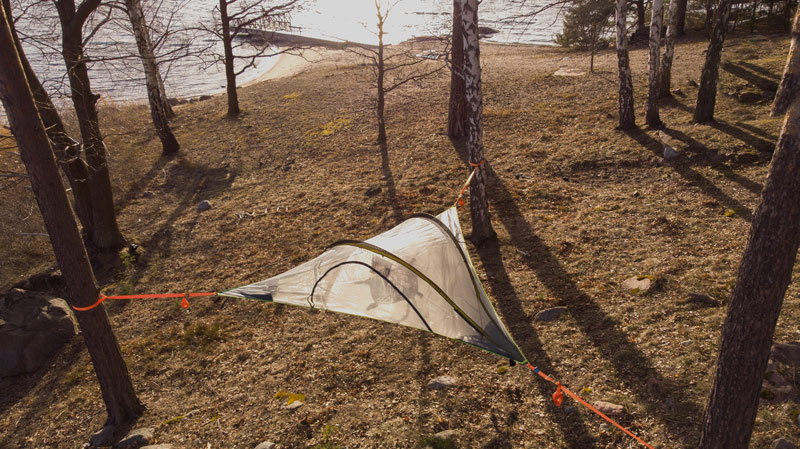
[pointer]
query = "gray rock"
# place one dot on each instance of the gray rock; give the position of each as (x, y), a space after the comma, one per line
(638, 284)
(550, 314)
(783, 443)
(204, 206)
(442, 382)
(678, 92)
(686, 342)
(105, 437)
(775, 387)
(33, 327)
(265, 445)
(669, 152)
(204, 97)
(569, 410)
(448, 434)
(692, 83)
(137, 438)
(702, 299)
(609, 408)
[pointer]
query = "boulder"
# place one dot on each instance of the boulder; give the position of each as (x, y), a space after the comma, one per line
(778, 384)
(204, 206)
(266, 445)
(637, 284)
(33, 327)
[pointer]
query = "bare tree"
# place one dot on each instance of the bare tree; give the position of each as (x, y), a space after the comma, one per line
(652, 117)
(237, 18)
(764, 274)
(105, 231)
(115, 383)
(392, 67)
(479, 208)
(707, 94)
(66, 149)
(627, 118)
(665, 78)
(157, 100)
(457, 111)
(680, 19)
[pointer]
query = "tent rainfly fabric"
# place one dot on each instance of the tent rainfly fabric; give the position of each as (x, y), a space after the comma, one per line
(417, 274)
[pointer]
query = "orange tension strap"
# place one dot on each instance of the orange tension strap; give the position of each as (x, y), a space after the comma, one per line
(558, 399)
(184, 302)
(460, 199)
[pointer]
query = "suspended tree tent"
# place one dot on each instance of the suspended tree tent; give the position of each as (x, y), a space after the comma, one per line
(417, 274)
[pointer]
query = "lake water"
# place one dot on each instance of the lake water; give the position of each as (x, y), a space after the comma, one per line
(352, 20)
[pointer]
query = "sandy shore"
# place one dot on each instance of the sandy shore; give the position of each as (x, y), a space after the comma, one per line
(291, 64)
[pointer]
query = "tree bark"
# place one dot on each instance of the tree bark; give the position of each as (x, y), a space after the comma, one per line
(105, 231)
(640, 16)
(651, 116)
(163, 94)
(457, 120)
(66, 149)
(169, 145)
(381, 104)
(115, 383)
(764, 274)
(669, 51)
(230, 74)
(707, 94)
(479, 209)
(627, 118)
(680, 21)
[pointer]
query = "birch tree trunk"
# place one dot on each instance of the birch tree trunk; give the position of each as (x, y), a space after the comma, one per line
(105, 231)
(479, 208)
(66, 149)
(169, 145)
(163, 93)
(764, 274)
(651, 116)
(627, 118)
(115, 383)
(707, 94)
(669, 51)
(457, 123)
(230, 74)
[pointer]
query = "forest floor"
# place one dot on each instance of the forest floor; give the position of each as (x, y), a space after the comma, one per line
(578, 208)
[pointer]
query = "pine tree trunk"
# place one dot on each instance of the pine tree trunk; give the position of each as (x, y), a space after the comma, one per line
(627, 118)
(669, 52)
(67, 150)
(707, 94)
(118, 394)
(105, 231)
(230, 74)
(169, 145)
(479, 208)
(680, 21)
(651, 116)
(640, 15)
(764, 274)
(457, 120)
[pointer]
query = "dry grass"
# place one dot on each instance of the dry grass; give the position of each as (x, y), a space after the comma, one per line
(578, 208)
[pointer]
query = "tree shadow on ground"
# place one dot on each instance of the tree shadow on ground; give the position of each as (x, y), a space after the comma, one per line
(673, 102)
(631, 366)
(692, 176)
(738, 133)
(388, 179)
(760, 70)
(55, 375)
(705, 154)
(188, 181)
(740, 71)
(136, 187)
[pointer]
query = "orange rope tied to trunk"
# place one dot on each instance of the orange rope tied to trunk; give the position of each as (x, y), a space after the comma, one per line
(558, 398)
(184, 301)
(460, 199)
